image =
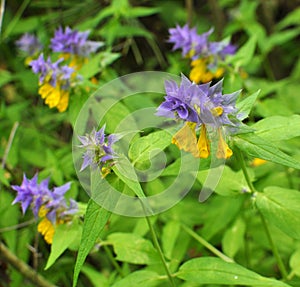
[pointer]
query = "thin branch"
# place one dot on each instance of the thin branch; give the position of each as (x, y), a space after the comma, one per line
(23, 268)
(9, 143)
(18, 226)
(2, 9)
(189, 11)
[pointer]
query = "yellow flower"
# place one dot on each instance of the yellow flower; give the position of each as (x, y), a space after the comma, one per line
(200, 73)
(258, 162)
(46, 228)
(223, 150)
(54, 96)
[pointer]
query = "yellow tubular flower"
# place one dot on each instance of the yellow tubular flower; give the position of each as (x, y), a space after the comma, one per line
(200, 73)
(223, 150)
(54, 96)
(46, 228)
(203, 143)
(258, 162)
(186, 139)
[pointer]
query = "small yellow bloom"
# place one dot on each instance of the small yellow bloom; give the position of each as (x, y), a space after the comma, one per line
(200, 73)
(223, 150)
(203, 143)
(54, 96)
(258, 162)
(46, 228)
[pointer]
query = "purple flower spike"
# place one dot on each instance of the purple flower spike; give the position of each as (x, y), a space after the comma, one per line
(98, 148)
(29, 44)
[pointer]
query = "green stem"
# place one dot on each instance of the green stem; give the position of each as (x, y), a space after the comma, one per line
(16, 18)
(265, 225)
(157, 246)
(206, 244)
(113, 260)
(244, 169)
(281, 266)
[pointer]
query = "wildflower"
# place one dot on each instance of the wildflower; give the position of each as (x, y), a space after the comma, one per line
(258, 162)
(199, 106)
(30, 46)
(49, 205)
(206, 56)
(189, 41)
(54, 81)
(98, 150)
(74, 43)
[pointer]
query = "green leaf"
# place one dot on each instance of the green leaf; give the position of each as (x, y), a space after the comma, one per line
(169, 236)
(257, 147)
(134, 249)
(135, 12)
(245, 54)
(244, 107)
(151, 144)
(295, 262)
(231, 183)
(278, 128)
(293, 18)
(281, 207)
(5, 77)
(233, 238)
(140, 278)
(208, 270)
(65, 234)
(96, 278)
(95, 220)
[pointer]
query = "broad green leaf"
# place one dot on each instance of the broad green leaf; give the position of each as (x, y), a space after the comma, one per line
(5, 77)
(140, 278)
(151, 144)
(65, 234)
(278, 128)
(244, 107)
(209, 270)
(245, 54)
(295, 262)
(169, 236)
(281, 207)
(257, 147)
(134, 249)
(233, 238)
(125, 171)
(231, 183)
(94, 222)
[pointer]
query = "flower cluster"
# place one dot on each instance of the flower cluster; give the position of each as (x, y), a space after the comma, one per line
(199, 106)
(56, 79)
(205, 55)
(74, 42)
(30, 46)
(49, 205)
(98, 150)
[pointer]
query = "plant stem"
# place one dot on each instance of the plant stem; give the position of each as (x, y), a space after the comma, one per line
(23, 268)
(157, 246)
(281, 266)
(113, 260)
(9, 143)
(206, 244)
(244, 169)
(265, 225)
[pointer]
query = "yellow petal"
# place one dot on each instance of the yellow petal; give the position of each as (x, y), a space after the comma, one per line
(64, 101)
(223, 150)
(203, 143)
(258, 162)
(186, 139)
(46, 228)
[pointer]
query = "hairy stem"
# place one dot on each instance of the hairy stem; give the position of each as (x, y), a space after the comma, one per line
(206, 244)
(113, 260)
(157, 246)
(23, 268)
(265, 225)
(281, 266)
